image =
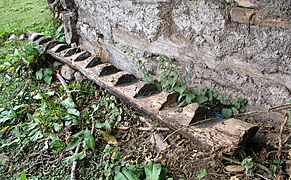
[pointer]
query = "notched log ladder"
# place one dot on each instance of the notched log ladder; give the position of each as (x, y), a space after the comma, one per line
(218, 134)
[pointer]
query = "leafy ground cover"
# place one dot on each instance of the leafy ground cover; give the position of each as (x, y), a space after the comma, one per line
(52, 131)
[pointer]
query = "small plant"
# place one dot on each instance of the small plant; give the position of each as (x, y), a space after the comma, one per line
(45, 74)
(168, 78)
(213, 99)
(248, 164)
(23, 176)
(277, 163)
(202, 173)
(148, 171)
(148, 75)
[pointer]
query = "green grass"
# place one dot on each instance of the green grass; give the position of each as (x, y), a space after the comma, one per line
(18, 16)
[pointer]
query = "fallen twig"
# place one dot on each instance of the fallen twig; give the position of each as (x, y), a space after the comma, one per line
(287, 138)
(63, 82)
(230, 160)
(172, 134)
(261, 176)
(280, 136)
(265, 169)
(271, 109)
(280, 108)
(74, 165)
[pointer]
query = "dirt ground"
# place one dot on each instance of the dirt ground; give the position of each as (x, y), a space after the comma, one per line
(184, 158)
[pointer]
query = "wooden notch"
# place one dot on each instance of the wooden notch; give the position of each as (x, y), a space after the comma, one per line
(126, 79)
(60, 47)
(52, 44)
(192, 113)
(84, 55)
(108, 70)
(70, 52)
(43, 40)
(36, 36)
(147, 90)
(94, 62)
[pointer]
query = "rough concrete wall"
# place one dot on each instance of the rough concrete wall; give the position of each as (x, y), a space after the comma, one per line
(241, 47)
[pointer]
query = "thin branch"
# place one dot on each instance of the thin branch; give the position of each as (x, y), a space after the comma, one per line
(172, 134)
(287, 138)
(63, 82)
(280, 136)
(271, 109)
(230, 160)
(74, 165)
(281, 107)
(265, 169)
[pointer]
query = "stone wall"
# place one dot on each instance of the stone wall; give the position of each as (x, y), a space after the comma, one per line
(240, 47)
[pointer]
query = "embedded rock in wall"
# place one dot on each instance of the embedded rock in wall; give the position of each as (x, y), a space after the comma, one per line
(241, 47)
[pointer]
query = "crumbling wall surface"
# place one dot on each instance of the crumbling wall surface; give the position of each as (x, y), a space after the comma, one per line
(241, 47)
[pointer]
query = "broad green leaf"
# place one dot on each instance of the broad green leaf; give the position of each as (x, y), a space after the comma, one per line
(200, 99)
(189, 97)
(242, 110)
(47, 72)
(234, 111)
(47, 75)
(56, 141)
(75, 157)
(89, 139)
(226, 112)
(202, 173)
(23, 176)
(153, 171)
(126, 174)
(107, 137)
(57, 127)
(75, 140)
(120, 176)
(182, 89)
(39, 74)
(68, 103)
(37, 135)
(74, 112)
(48, 79)
(225, 101)
(247, 163)
(278, 162)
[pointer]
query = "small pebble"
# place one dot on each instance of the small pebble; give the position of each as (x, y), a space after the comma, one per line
(78, 76)
(67, 72)
(21, 37)
(12, 37)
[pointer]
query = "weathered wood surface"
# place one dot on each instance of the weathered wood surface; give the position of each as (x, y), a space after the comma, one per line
(250, 16)
(218, 134)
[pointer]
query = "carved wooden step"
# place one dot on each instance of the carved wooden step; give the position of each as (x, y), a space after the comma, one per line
(218, 134)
